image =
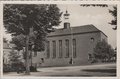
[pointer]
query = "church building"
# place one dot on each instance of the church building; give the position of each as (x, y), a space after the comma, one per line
(71, 45)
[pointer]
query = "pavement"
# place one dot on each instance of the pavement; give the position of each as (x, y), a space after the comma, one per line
(99, 70)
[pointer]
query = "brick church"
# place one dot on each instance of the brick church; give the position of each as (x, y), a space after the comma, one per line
(69, 45)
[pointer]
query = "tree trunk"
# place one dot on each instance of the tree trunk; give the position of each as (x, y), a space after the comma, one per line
(31, 56)
(27, 56)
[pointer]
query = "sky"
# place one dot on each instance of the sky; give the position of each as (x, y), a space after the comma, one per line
(98, 16)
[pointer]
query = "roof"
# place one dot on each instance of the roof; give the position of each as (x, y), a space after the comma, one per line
(6, 46)
(12, 45)
(75, 30)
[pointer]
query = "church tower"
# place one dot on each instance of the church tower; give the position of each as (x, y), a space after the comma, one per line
(66, 19)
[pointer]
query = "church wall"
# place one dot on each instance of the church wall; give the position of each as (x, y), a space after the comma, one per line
(37, 59)
(84, 45)
(103, 36)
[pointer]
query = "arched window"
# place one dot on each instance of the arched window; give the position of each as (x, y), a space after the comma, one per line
(48, 49)
(92, 39)
(54, 49)
(67, 47)
(74, 48)
(60, 48)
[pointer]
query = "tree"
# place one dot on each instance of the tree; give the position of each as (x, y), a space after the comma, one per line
(94, 5)
(19, 42)
(14, 58)
(21, 18)
(103, 51)
(113, 12)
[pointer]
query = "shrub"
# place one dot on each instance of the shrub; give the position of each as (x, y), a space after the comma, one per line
(33, 69)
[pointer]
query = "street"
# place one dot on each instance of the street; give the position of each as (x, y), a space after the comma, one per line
(99, 70)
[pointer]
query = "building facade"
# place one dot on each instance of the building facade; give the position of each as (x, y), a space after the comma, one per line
(6, 52)
(70, 45)
(7, 49)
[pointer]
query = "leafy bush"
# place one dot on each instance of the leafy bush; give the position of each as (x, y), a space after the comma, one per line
(6, 68)
(103, 51)
(33, 69)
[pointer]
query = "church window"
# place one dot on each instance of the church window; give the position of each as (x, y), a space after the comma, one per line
(74, 48)
(90, 57)
(92, 39)
(67, 47)
(54, 49)
(60, 48)
(48, 49)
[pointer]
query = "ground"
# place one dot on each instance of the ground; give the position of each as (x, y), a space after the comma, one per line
(99, 70)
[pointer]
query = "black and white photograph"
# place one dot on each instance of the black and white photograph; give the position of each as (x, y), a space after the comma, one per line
(59, 40)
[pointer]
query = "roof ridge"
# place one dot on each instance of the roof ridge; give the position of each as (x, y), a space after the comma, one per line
(88, 25)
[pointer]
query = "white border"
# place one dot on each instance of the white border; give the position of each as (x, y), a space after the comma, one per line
(61, 2)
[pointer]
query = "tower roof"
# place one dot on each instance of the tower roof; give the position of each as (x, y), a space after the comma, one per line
(66, 14)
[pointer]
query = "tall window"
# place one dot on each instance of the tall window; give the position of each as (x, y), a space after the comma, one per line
(54, 49)
(89, 56)
(92, 39)
(67, 47)
(48, 49)
(74, 48)
(60, 48)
